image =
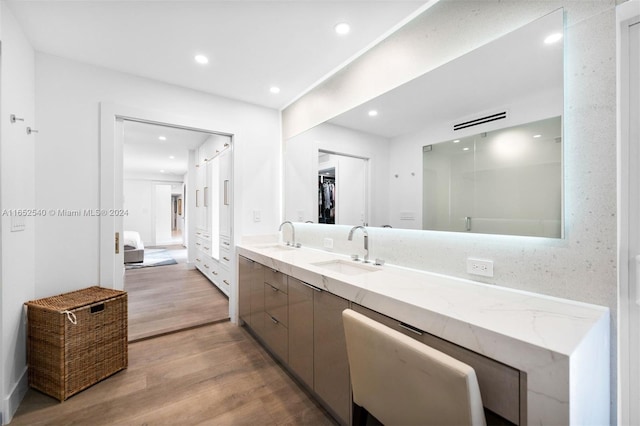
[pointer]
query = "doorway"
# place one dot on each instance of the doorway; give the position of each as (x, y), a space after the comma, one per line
(114, 119)
(343, 190)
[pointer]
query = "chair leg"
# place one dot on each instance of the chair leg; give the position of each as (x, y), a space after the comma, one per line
(359, 415)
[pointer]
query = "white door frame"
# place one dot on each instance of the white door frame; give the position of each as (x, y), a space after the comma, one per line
(627, 14)
(112, 115)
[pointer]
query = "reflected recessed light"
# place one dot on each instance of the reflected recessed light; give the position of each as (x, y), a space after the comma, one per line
(162, 138)
(537, 136)
(201, 59)
(342, 28)
(373, 113)
(456, 141)
(162, 171)
(553, 38)
(274, 89)
(465, 149)
(171, 157)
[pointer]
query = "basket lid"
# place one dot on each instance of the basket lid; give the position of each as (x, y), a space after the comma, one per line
(75, 299)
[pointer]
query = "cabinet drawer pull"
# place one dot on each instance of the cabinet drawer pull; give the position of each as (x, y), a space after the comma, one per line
(410, 328)
(275, 321)
(206, 248)
(312, 287)
(226, 258)
(198, 244)
(206, 266)
(214, 272)
(226, 243)
(274, 289)
(198, 260)
(226, 282)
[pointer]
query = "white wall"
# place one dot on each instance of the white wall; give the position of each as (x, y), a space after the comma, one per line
(582, 266)
(163, 213)
(138, 202)
(17, 84)
(68, 160)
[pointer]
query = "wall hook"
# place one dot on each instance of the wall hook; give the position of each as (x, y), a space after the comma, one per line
(13, 118)
(30, 130)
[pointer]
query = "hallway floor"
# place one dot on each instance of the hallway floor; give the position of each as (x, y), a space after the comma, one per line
(212, 375)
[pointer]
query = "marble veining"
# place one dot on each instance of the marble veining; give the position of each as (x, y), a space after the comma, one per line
(556, 342)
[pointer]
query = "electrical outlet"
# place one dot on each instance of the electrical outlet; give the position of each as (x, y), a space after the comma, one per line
(328, 243)
(480, 267)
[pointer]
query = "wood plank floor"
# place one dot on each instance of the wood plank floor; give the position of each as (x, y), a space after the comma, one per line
(212, 375)
(164, 299)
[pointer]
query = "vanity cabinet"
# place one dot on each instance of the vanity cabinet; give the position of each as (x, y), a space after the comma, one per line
(276, 313)
(302, 327)
(245, 267)
(251, 294)
(503, 388)
(301, 330)
(330, 362)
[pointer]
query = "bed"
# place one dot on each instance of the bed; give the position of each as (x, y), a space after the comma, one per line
(133, 247)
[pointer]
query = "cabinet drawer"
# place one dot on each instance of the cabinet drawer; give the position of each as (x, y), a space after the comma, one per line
(276, 337)
(275, 303)
(499, 384)
(276, 279)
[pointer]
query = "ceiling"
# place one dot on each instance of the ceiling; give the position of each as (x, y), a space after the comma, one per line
(146, 154)
(251, 45)
(516, 66)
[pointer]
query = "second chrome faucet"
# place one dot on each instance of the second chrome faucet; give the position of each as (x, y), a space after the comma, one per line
(366, 240)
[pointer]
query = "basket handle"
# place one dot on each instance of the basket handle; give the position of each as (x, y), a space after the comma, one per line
(71, 317)
(97, 308)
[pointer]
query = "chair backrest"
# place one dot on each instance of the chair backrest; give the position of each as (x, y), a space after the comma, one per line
(401, 381)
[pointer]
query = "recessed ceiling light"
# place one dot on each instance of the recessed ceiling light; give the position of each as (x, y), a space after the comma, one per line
(162, 138)
(465, 148)
(274, 89)
(201, 59)
(171, 157)
(342, 28)
(162, 171)
(553, 38)
(456, 141)
(537, 136)
(373, 113)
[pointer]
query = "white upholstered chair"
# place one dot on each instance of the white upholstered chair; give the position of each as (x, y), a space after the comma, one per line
(401, 381)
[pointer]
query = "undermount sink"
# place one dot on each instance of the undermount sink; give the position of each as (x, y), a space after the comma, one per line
(346, 267)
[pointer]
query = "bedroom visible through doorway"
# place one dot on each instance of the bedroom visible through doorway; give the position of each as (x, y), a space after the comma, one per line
(166, 293)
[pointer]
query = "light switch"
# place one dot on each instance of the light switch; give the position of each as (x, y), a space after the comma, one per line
(256, 216)
(18, 223)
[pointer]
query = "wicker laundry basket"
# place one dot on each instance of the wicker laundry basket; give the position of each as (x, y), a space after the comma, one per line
(76, 339)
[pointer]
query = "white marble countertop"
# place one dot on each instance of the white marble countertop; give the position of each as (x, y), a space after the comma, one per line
(544, 336)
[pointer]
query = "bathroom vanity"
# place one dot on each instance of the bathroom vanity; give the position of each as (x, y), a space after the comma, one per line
(539, 359)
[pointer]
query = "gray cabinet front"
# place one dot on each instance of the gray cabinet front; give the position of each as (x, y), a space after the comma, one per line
(244, 289)
(301, 330)
(331, 365)
(257, 299)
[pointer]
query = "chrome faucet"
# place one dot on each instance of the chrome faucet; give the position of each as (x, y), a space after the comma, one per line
(293, 233)
(366, 240)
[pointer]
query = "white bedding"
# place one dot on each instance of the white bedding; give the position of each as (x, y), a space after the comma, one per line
(132, 240)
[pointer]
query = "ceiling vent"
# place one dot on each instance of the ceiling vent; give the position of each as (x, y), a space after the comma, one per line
(481, 120)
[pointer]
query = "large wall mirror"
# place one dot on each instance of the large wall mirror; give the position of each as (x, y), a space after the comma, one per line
(472, 146)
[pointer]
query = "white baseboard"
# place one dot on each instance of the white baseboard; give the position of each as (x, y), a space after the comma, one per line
(11, 403)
